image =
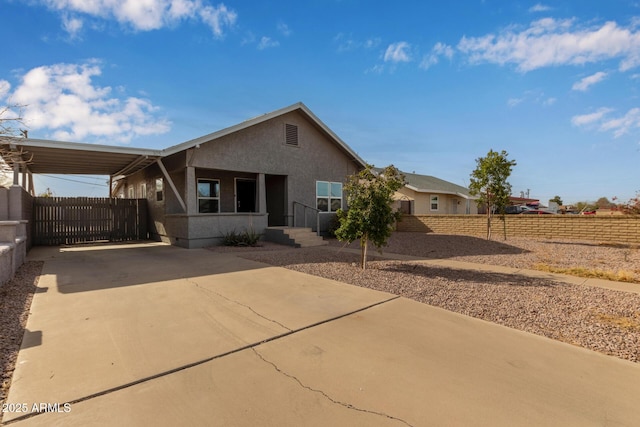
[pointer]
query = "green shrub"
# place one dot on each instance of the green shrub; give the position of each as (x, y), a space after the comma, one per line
(246, 238)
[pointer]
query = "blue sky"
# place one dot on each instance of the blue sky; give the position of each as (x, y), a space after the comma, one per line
(427, 86)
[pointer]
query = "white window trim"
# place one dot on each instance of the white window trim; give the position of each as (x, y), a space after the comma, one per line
(131, 192)
(208, 198)
(161, 191)
(431, 196)
(329, 196)
(143, 190)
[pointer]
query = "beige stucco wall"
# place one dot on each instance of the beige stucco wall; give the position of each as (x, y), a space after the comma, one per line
(447, 204)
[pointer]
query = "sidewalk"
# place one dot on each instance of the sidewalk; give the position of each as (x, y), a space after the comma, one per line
(136, 335)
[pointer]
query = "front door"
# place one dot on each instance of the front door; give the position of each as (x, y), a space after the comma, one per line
(245, 195)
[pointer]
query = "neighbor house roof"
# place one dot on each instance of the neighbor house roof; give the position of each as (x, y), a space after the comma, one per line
(431, 184)
(60, 157)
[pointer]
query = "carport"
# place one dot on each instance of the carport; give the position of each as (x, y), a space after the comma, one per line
(72, 218)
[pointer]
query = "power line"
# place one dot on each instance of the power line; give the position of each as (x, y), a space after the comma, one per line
(75, 180)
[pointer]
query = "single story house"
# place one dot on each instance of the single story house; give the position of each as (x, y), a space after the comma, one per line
(428, 195)
(281, 169)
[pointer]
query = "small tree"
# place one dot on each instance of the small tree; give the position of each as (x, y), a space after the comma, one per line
(603, 203)
(632, 207)
(10, 120)
(489, 182)
(370, 216)
(556, 199)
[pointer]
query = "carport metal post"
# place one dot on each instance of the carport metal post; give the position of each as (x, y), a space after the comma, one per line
(172, 185)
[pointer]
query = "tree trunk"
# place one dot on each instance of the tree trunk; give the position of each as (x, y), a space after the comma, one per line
(488, 225)
(363, 252)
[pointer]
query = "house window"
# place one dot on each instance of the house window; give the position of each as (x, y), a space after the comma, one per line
(328, 196)
(132, 192)
(434, 202)
(159, 189)
(143, 190)
(208, 196)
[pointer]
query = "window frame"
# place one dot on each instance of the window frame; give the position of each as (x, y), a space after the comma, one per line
(198, 197)
(329, 197)
(131, 192)
(159, 189)
(143, 190)
(431, 202)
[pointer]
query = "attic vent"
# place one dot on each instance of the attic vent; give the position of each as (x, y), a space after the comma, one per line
(291, 134)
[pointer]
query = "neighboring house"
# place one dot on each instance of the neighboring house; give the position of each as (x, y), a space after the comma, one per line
(428, 195)
(284, 168)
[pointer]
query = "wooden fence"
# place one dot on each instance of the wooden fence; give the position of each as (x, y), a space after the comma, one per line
(69, 220)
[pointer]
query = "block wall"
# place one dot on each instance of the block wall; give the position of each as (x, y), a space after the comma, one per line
(619, 228)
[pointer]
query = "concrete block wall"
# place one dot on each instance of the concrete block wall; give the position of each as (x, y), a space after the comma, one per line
(618, 228)
(13, 248)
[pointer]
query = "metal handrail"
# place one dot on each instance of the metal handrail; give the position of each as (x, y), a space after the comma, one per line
(304, 213)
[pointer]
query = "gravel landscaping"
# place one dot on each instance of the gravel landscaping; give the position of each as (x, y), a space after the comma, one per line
(598, 319)
(15, 300)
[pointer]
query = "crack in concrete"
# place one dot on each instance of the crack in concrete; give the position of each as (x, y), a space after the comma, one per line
(197, 285)
(206, 360)
(325, 395)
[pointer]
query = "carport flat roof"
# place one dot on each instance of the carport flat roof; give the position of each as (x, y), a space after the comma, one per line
(59, 157)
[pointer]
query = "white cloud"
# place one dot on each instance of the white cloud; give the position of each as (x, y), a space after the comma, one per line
(267, 42)
(144, 15)
(622, 125)
(539, 8)
(588, 119)
(512, 102)
(549, 101)
(72, 26)
(550, 42)
(398, 52)
(218, 18)
(346, 43)
(588, 81)
(438, 50)
(284, 29)
(5, 86)
(63, 101)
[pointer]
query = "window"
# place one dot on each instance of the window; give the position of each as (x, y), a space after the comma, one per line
(434, 203)
(208, 196)
(143, 190)
(132, 192)
(159, 189)
(328, 196)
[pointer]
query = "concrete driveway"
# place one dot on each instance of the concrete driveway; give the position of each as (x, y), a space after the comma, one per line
(149, 334)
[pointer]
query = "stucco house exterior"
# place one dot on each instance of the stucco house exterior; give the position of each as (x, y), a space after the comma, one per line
(285, 168)
(428, 195)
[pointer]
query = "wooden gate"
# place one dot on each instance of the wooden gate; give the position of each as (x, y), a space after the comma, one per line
(69, 220)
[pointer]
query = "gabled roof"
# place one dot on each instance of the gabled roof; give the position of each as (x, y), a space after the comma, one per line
(300, 107)
(431, 184)
(61, 157)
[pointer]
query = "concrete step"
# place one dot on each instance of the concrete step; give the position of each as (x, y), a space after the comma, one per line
(298, 236)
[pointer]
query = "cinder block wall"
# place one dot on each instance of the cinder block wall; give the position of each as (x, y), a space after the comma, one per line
(619, 228)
